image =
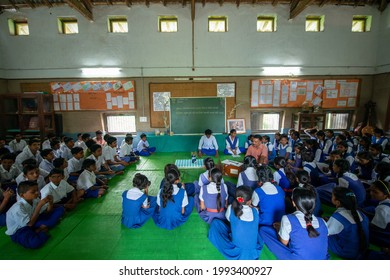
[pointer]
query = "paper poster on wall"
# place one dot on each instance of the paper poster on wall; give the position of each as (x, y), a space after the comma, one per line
(226, 90)
(70, 106)
(266, 82)
(293, 96)
(67, 87)
(87, 86)
(318, 90)
(117, 85)
(310, 86)
(77, 106)
(120, 101)
(114, 101)
(96, 86)
(277, 85)
(109, 105)
(330, 84)
(351, 102)
(63, 106)
(276, 100)
(309, 96)
(131, 96)
(301, 91)
(63, 98)
(56, 106)
(69, 98)
(341, 103)
(125, 101)
(348, 89)
(331, 93)
(76, 87)
(161, 101)
(55, 86)
(55, 97)
(316, 101)
(255, 93)
(76, 97)
(131, 105)
(108, 96)
(293, 85)
(107, 86)
(128, 85)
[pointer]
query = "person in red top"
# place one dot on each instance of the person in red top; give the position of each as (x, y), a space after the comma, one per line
(258, 150)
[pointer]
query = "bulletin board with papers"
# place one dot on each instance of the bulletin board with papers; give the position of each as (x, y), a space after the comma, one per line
(293, 93)
(93, 95)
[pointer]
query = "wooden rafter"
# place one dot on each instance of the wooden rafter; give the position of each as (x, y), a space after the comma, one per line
(192, 10)
(383, 5)
(109, 2)
(164, 2)
(183, 3)
(203, 3)
(147, 2)
(129, 3)
(323, 2)
(274, 2)
(299, 8)
(78, 6)
(220, 2)
(13, 4)
(254, 2)
(238, 2)
(293, 4)
(88, 4)
(47, 2)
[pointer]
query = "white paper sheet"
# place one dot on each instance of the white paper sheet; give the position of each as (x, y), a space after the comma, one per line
(77, 106)
(76, 97)
(125, 100)
(108, 96)
(77, 87)
(55, 97)
(255, 98)
(67, 87)
(277, 85)
(109, 105)
(341, 103)
(301, 91)
(351, 102)
(317, 101)
(62, 98)
(55, 86)
(117, 85)
(293, 85)
(128, 85)
(56, 106)
(131, 96)
(131, 105)
(97, 86)
(63, 106)
(87, 86)
(107, 86)
(330, 84)
(70, 106)
(120, 101)
(114, 101)
(293, 96)
(318, 90)
(331, 93)
(309, 96)
(69, 98)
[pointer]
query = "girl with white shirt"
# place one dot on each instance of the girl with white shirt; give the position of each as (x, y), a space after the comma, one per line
(232, 144)
(240, 240)
(174, 206)
(348, 227)
(137, 205)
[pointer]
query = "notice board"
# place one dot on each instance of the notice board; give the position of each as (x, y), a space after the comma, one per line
(93, 95)
(330, 93)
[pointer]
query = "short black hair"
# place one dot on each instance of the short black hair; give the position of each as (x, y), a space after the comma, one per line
(24, 186)
(46, 152)
(208, 132)
(76, 150)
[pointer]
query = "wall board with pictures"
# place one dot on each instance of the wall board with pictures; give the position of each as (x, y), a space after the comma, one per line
(328, 93)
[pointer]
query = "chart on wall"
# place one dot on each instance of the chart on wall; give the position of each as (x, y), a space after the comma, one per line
(93, 95)
(296, 93)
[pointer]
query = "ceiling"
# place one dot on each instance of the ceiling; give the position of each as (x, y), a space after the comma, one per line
(85, 7)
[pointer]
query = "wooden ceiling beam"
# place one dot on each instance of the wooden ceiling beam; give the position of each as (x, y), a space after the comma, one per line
(203, 3)
(129, 3)
(109, 2)
(221, 2)
(47, 2)
(383, 5)
(238, 2)
(13, 4)
(147, 2)
(293, 4)
(274, 2)
(88, 4)
(299, 8)
(31, 4)
(78, 6)
(183, 3)
(324, 2)
(165, 3)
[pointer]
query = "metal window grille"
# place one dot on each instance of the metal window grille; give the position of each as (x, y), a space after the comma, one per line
(120, 124)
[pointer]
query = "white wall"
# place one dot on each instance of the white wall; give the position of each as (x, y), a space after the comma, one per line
(240, 52)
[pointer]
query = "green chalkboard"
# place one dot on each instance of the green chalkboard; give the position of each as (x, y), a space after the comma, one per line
(195, 115)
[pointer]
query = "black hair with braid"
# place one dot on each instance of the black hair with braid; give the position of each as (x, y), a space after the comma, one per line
(167, 191)
(216, 177)
(243, 195)
(249, 161)
(305, 201)
(140, 181)
(265, 174)
(281, 162)
(347, 200)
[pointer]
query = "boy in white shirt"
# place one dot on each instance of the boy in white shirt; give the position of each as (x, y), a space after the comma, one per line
(88, 182)
(47, 162)
(143, 147)
(30, 151)
(111, 157)
(8, 172)
(208, 144)
(75, 164)
(18, 144)
(126, 152)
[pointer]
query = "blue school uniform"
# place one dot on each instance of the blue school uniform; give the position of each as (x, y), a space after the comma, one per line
(271, 151)
(170, 216)
(355, 185)
(271, 206)
(190, 187)
(133, 214)
(300, 246)
(210, 201)
(240, 240)
(313, 171)
(282, 151)
(374, 140)
(233, 146)
(284, 183)
(346, 242)
(380, 229)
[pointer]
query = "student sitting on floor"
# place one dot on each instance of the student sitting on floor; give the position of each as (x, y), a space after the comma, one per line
(111, 157)
(376, 152)
(31, 151)
(8, 172)
(268, 198)
(174, 206)
(75, 163)
(211, 202)
(29, 218)
(270, 147)
(66, 149)
(208, 144)
(304, 181)
(189, 187)
(204, 178)
(301, 235)
(379, 138)
(240, 240)
(103, 171)
(61, 163)
(364, 168)
(382, 170)
(347, 227)
(47, 162)
(284, 149)
(30, 173)
(283, 176)
(62, 192)
(248, 141)
(56, 147)
(143, 147)
(343, 148)
(7, 199)
(17, 144)
(233, 144)
(126, 152)
(137, 205)
(87, 181)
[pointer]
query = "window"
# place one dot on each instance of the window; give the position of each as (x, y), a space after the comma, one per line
(361, 23)
(167, 24)
(18, 27)
(120, 123)
(265, 121)
(118, 25)
(266, 24)
(314, 23)
(337, 121)
(217, 24)
(68, 26)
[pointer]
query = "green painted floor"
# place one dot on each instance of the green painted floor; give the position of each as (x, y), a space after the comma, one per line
(93, 230)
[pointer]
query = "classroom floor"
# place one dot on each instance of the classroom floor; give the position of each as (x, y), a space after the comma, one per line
(93, 230)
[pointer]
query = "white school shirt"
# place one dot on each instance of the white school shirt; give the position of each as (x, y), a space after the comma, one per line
(344, 183)
(142, 145)
(125, 149)
(46, 165)
(57, 153)
(17, 146)
(134, 194)
(99, 161)
(382, 215)
(75, 165)
(40, 181)
(288, 149)
(66, 152)
(10, 175)
(19, 215)
(46, 144)
(212, 189)
(312, 164)
(86, 180)
(246, 216)
(277, 177)
(285, 225)
(109, 153)
(268, 188)
(27, 154)
(78, 143)
(335, 227)
(58, 192)
(250, 173)
(175, 191)
(208, 143)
